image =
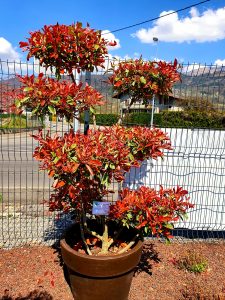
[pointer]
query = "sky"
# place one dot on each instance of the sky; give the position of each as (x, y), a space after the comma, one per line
(196, 35)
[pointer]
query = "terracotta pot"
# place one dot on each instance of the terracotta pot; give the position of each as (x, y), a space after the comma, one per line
(100, 277)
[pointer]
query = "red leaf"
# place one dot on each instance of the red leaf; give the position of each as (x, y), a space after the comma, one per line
(52, 283)
(72, 192)
(51, 173)
(57, 184)
(89, 169)
(23, 44)
(95, 163)
(112, 43)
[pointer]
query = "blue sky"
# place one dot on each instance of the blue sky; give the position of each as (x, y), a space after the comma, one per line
(196, 35)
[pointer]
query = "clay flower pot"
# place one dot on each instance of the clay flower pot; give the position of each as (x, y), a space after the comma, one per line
(100, 277)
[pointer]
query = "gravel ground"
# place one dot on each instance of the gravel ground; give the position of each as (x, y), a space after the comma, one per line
(31, 271)
(34, 272)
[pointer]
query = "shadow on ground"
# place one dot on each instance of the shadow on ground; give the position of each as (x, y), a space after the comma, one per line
(148, 255)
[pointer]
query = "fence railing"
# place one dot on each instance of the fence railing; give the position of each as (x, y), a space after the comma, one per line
(194, 117)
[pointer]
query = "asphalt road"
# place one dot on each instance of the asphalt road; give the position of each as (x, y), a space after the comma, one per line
(20, 177)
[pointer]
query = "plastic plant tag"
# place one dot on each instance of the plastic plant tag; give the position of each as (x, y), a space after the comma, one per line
(100, 208)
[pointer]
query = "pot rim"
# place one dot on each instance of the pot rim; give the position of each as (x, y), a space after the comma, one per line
(68, 248)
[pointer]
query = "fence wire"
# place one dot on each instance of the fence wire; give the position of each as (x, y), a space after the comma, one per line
(193, 116)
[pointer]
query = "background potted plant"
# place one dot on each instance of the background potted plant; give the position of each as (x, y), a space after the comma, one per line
(105, 244)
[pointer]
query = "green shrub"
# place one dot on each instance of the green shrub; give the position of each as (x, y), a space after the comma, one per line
(178, 119)
(143, 118)
(192, 262)
(103, 119)
(6, 116)
(14, 121)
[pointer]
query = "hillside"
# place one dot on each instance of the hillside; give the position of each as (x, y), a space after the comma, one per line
(206, 83)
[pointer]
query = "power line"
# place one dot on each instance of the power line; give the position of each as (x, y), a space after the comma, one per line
(154, 19)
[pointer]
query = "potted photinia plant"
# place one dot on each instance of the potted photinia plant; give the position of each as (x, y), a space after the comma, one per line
(142, 79)
(103, 247)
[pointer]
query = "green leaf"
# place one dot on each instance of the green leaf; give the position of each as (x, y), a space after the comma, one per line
(56, 101)
(131, 157)
(105, 180)
(17, 103)
(168, 241)
(142, 80)
(96, 47)
(56, 160)
(129, 216)
(52, 110)
(34, 111)
(24, 99)
(106, 166)
(74, 158)
(169, 226)
(92, 110)
(27, 89)
(53, 154)
(112, 166)
(146, 230)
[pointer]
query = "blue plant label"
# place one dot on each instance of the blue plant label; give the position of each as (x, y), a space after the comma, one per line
(100, 208)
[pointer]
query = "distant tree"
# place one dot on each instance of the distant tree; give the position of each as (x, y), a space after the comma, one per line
(198, 104)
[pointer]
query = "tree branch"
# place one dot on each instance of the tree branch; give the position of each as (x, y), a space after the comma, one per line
(132, 242)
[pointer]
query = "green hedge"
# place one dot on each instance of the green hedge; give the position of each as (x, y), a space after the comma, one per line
(180, 119)
(5, 116)
(103, 119)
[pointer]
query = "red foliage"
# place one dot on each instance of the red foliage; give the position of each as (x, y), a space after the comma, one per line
(83, 166)
(48, 96)
(66, 47)
(151, 211)
(142, 79)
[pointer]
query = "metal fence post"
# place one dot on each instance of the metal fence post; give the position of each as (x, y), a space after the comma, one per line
(152, 112)
(76, 123)
(87, 111)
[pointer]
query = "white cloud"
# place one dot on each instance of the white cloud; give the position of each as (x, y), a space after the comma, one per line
(106, 34)
(11, 60)
(7, 52)
(206, 27)
(220, 62)
(192, 68)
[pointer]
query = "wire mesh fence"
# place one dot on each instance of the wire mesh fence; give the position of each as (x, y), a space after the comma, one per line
(193, 115)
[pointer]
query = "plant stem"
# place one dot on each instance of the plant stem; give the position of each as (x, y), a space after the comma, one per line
(105, 240)
(94, 234)
(132, 242)
(83, 239)
(83, 224)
